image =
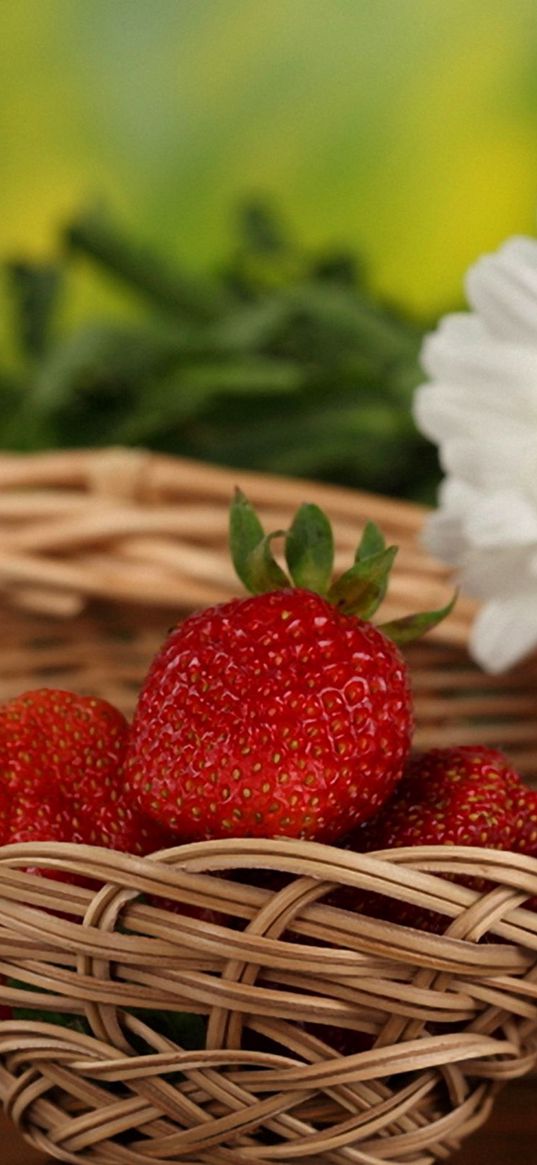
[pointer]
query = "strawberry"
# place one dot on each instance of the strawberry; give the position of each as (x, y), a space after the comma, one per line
(286, 713)
(525, 826)
(60, 765)
(448, 796)
(61, 757)
(525, 830)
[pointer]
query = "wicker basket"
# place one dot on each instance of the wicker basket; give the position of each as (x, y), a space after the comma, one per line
(99, 553)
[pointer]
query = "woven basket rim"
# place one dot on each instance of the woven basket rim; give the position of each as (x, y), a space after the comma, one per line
(298, 959)
(113, 523)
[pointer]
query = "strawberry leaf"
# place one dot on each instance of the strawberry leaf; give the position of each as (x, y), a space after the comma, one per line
(372, 542)
(411, 627)
(262, 570)
(309, 549)
(251, 551)
(245, 534)
(361, 589)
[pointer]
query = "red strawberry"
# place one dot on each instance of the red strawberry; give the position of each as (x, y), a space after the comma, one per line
(60, 766)
(60, 763)
(448, 796)
(270, 715)
(525, 827)
(4, 815)
(287, 713)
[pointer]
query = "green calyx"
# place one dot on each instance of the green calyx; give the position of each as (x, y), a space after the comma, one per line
(308, 547)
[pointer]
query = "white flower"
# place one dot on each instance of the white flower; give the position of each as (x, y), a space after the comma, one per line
(480, 407)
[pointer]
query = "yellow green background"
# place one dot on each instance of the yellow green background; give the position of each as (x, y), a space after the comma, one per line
(407, 128)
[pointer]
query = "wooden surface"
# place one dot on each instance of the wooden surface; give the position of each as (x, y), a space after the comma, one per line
(510, 1135)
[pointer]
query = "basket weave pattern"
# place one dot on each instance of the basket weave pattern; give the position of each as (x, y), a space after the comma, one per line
(451, 1017)
(100, 552)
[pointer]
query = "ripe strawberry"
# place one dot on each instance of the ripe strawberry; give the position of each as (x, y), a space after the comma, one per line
(60, 770)
(525, 826)
(448, 796)
(525, 830)
(4, 815)
(60, 764)
(286, 713)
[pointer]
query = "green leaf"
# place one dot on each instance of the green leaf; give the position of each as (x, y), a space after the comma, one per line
(249, 327)
(100, 357)
(354, 319)
(95, 234)
(250, 548)
(245, 533)
(309, 549)
(279, 359)
(361, 589)
(246, 376)
(372, 542)
(264, 572)
(175, 399)
(262, 229)
(35, 289)
(411, 627)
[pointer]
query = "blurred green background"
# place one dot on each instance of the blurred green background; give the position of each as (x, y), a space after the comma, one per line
(309, 179)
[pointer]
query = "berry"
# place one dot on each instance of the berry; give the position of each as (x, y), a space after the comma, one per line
(61, 757)
(448, 796)
(525, 826)
(270, 715)
(4, 815)
(525, 830)
(287, 713)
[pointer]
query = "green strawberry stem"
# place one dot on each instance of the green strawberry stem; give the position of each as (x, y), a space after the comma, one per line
(309, 555)
(411, 627)
(309, 549)
(371, 542)
(361, 589)
(250, 549)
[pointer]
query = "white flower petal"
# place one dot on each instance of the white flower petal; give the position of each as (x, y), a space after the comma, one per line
(505, 631)
(456, 334)
(443, 530)
(503, 289)
(493, 464)
(449, 410)
(457, 496)
(490, 574)
(501, 519)
(483, 572)
(462, 351)
(480, 408)
(443, 536)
